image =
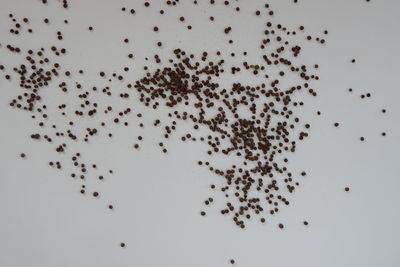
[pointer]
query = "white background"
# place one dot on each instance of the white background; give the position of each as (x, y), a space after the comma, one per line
(45, 222)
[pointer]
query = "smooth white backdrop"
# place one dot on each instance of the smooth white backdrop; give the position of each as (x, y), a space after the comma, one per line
(45, 222)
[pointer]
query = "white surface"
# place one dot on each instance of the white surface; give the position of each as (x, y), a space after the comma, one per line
(45, 222)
